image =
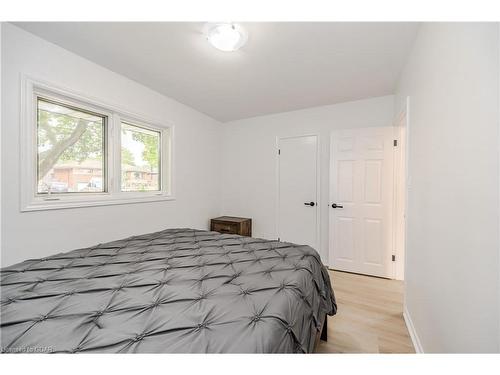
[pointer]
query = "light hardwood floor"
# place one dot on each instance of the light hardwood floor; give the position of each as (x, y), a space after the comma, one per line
(369, 317)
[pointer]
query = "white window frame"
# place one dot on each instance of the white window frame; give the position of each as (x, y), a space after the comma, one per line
(32, 201)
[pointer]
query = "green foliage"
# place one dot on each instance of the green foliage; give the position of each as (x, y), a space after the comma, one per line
(127, 156)
(64, 138)
(151, 148)
(55, 128)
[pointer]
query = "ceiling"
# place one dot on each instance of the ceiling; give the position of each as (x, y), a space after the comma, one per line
(283, 66)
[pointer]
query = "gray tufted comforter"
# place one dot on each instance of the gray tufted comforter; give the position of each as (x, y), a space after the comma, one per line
(178, 290)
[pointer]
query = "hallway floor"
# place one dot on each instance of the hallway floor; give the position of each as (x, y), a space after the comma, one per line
(369, 317)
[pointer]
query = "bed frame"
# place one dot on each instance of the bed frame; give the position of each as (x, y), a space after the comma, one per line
(322, 334)
(324, 329)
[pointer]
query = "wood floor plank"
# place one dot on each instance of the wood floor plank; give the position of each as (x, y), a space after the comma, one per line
(369, 317)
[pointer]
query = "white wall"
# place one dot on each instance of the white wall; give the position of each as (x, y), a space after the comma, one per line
(452, 246)
(1, 126)
(249, 157)
(197, 151)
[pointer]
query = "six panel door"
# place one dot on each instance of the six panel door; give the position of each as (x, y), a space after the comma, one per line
(361, 187)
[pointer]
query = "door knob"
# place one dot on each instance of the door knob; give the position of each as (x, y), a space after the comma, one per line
(310, 204)
(335, 205)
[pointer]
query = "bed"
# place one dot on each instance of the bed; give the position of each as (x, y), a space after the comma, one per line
(173, 291)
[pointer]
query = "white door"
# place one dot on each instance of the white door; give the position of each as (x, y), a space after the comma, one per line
(361, 188)
(297, 190)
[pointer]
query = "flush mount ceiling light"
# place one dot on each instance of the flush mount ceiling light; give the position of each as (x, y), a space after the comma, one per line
(226, 37)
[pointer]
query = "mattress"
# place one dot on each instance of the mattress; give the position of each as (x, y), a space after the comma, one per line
(173, 291)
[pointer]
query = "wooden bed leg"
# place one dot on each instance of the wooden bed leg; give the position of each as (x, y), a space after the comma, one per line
(324, 330)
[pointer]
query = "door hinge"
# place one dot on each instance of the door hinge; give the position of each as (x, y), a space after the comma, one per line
(394, 258)
(279, 151)
(395, 143)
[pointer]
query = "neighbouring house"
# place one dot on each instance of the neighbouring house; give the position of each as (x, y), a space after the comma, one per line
(87, 176)
(136, 177)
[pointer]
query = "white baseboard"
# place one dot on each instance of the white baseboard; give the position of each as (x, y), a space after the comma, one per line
(411, 330)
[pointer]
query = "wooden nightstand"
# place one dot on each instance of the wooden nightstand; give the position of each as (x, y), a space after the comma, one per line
(232, 225)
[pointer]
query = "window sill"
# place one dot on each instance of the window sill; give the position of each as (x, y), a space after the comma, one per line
(41, 204)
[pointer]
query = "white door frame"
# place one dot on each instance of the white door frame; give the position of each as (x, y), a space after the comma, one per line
(399, 213)
(406, 112)
(408, 177)
(318, 181)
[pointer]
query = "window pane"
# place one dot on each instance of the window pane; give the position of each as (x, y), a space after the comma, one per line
(70, 149)
(140, 161)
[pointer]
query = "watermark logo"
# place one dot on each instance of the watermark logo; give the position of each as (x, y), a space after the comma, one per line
(27, 349)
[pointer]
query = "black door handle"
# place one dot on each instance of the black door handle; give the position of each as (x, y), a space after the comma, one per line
(335, 205)
(310, 204)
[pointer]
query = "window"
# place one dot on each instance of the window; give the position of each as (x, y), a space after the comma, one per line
(140, 160)
(70, 149)
(79, 152)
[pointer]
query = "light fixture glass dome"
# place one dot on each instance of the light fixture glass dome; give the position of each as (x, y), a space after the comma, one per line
(226, 37)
